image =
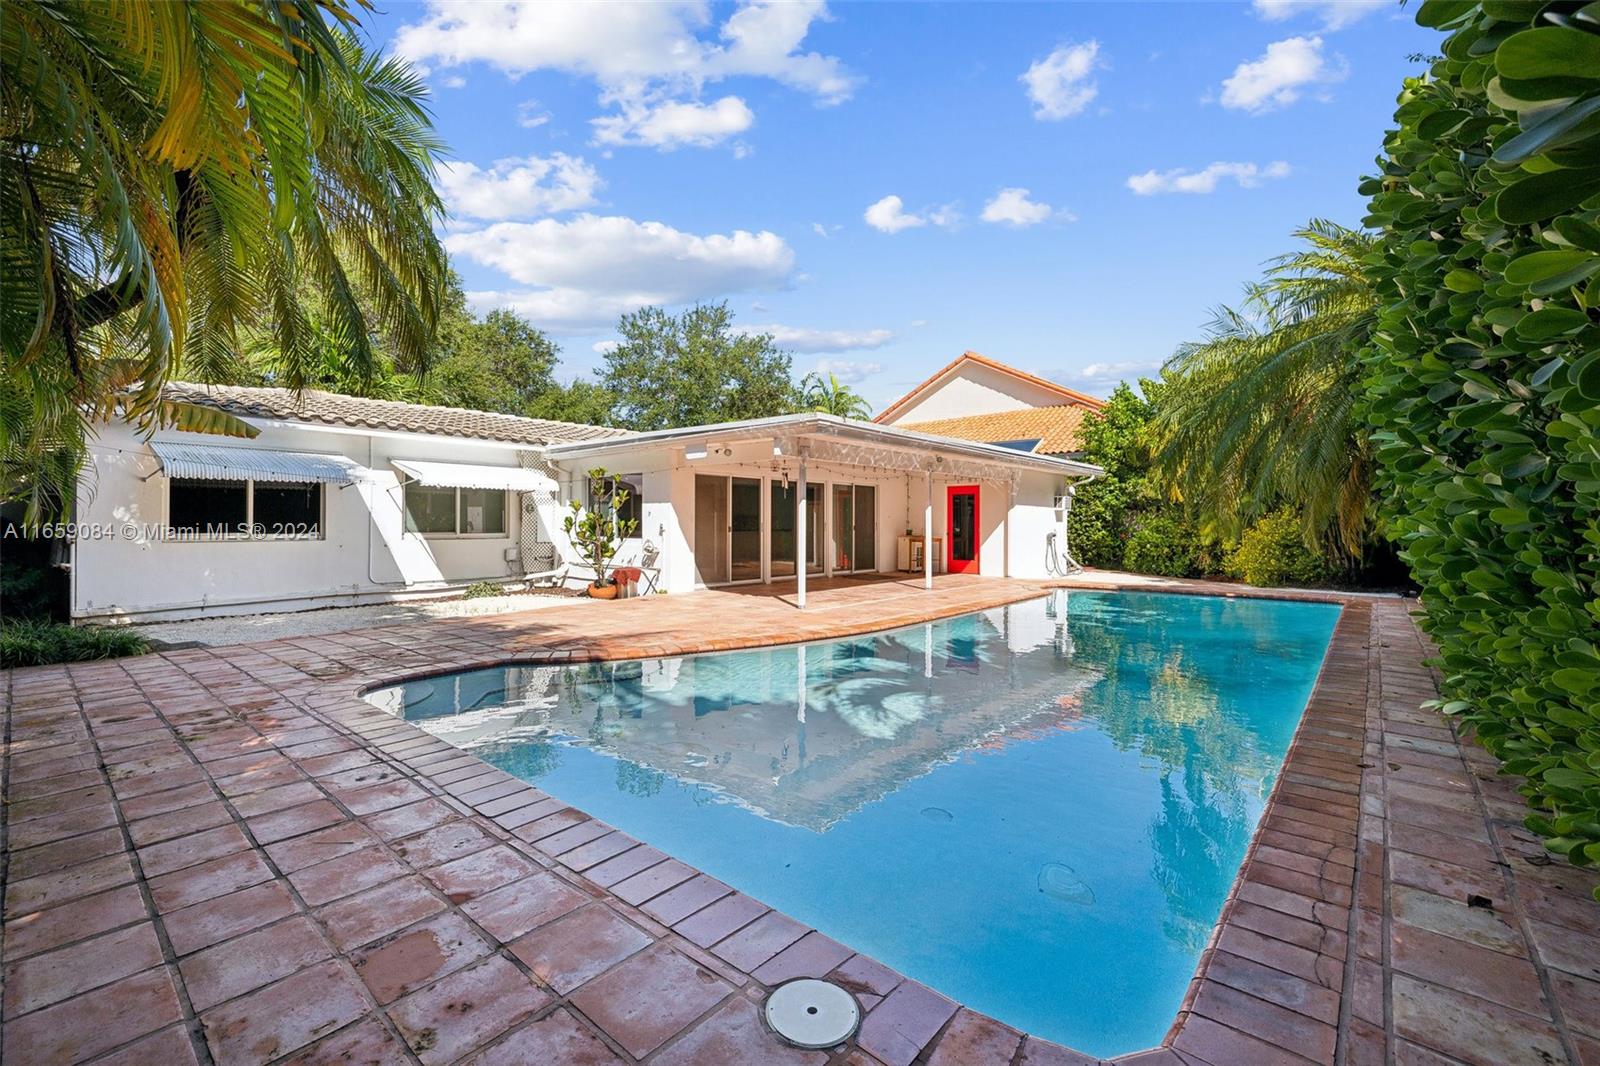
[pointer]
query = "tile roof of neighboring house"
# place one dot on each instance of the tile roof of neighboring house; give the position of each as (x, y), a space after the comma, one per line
(1055, 428)
(1070, 395)
(333, 409)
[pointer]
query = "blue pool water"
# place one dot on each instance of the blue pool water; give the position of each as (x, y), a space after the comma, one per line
(1037, 809)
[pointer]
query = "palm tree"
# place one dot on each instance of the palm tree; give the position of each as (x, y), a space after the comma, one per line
(1261, 412)
(833, 397)
(177, 174)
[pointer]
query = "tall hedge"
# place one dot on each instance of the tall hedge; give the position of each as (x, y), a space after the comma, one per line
(1484, 384)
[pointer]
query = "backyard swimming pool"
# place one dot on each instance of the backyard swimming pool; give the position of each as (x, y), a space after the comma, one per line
(1036, 810)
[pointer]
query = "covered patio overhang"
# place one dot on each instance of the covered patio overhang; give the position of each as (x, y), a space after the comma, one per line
(801, 439)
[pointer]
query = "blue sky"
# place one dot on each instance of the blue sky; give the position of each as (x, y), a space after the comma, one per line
(1078, 184)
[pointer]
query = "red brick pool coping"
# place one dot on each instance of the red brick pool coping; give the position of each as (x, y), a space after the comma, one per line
(226, 855)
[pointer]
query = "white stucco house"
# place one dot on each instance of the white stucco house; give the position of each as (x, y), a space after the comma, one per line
(340, 500)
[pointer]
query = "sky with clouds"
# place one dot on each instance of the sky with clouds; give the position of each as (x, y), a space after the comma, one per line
(1068, 188)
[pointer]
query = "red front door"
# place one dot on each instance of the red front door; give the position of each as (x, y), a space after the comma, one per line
(961, 530)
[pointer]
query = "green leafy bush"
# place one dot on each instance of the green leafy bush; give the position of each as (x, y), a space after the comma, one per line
(1164, 546)
(1273, 552)
(1483, 385)
(33, 642)
(481, 589)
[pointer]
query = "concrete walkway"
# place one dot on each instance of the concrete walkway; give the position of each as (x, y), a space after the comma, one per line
(227, 856)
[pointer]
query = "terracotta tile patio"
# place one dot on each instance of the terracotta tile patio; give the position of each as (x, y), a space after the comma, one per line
(225, 855)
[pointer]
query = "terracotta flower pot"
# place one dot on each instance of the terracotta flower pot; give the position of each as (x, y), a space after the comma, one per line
(602, 592)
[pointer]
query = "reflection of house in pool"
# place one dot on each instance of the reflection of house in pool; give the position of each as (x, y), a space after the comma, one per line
(802, 734)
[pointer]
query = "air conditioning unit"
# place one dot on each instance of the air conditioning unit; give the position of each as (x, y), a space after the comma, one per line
(1064, 502)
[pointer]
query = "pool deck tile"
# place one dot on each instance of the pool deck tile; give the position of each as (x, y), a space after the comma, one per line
(226, 856)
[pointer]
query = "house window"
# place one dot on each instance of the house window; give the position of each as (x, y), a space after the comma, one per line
(632, 506)
(442, 511)
(208, 507)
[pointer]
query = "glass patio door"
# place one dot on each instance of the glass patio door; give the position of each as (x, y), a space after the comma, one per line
(781, 528)
(711, 529)
(746, 529)
(844, 525)
(866, 531)
(855, 527)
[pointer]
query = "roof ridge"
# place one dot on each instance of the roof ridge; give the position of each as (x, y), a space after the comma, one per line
(1092, 402)
(321, 407)
(348, 397)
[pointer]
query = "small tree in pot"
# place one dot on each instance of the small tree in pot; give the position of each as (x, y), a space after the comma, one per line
(597, 532)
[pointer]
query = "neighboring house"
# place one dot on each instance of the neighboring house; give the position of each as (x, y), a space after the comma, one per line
(976, 398)
(343, 500)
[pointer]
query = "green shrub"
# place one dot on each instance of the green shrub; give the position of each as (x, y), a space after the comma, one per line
(1164, 546)
(33, 642)
(1483, 386)
(480, 589)
(1273, 552)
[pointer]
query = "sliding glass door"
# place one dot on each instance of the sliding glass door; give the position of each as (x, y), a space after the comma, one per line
(782, 528)
(711, 529)
(727, 528)
(746, 529)
(855, 527)
(866, 529)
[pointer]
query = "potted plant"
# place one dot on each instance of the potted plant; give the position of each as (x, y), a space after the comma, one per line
(596, 535)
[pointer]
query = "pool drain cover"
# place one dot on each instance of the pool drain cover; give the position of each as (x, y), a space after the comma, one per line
(812, 1014)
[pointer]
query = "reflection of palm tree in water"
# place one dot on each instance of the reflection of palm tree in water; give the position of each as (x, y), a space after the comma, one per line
(1195, 844)
(1210, 762)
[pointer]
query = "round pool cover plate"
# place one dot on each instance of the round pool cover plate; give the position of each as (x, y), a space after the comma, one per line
(812, 1014)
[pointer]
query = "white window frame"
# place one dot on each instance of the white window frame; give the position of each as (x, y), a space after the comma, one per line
(249, 516)
(405, 514)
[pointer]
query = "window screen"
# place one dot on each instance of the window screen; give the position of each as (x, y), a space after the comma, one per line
(207, 507)
(288, 509)
(483, 511)
(430, 509)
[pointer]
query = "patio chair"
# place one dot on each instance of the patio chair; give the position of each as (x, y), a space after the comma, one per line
(649, 565)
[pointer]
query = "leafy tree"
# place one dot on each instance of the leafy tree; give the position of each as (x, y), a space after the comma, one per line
(1483, 385)
(1261, 412)
(499, 363)
(831, 396)
(1114, 439)
(581, 401)
(172, 172)
(692, 368)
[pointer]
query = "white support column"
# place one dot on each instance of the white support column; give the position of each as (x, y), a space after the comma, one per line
(1011, 510)
(927, 534)
(800, 533)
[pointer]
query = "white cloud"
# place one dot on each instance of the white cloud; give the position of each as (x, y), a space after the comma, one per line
(453, 81)
(1012, 207)
(824, 230)
(889, 215)
(585, 271)
(801, 339)
(652, 59)
(1060, 85)
(1248, 176)
(518, 188)
(848, 371)
(672, 123)
(1280, 75)
(629, 44)
(1335, 14)
(1101, 378)
(529, 117)
(606, 347)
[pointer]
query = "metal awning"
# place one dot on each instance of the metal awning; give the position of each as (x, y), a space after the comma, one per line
(470, 476)
(222, 463)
